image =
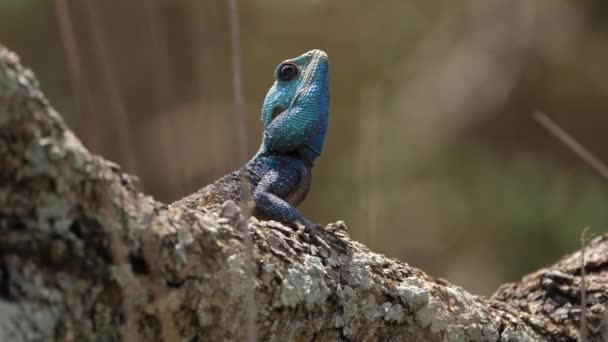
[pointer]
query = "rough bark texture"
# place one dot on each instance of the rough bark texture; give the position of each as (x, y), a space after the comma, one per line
(84, 256)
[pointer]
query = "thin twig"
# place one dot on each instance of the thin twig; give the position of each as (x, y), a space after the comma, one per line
(118, 113)
(368, 155)
(239, 111)
(237, 80)
(583, 332)
(571, 143)
(75, 69)
(165, 94)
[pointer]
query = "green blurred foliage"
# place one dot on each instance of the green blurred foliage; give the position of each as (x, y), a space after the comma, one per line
(432, 155)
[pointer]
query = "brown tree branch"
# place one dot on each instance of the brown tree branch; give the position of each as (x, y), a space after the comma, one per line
(84, 256)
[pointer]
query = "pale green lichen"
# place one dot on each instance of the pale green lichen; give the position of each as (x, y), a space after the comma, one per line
(465, 320)
(263, 311)
(519, 335)
(184, 239)
(333, 259)
(339, 321)
(458, 333)
(45, 154)
(293, 329)
(268, 267)
(210, 224)
(9, 80)
(305, 284)
(65, 281)
(38, 154)
(356, 305)
(350, 330)
(472, 313)
(8, 86)
(350, 308)
(370, 309)
(435, 316)
(471, 331)
(238, 276)
(28, 77)
(393, 313)
(412, 293)
(37, 323)
(489, 331)
(78, 154)
(53, 213)
(8, 312)
(30, 320)
(360, 271)
(475, 311)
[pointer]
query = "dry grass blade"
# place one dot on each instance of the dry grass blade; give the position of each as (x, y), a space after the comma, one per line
(583, 331)
(571, 143)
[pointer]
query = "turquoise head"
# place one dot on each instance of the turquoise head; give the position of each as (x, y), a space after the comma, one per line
(296, 107)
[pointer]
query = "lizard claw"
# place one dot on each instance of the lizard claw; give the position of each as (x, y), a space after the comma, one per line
(307, 225)
(311, 232)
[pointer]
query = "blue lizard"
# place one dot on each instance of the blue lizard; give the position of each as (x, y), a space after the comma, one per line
(295, 118)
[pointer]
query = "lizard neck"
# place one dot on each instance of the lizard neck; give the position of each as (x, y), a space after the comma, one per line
(263, 150)
(308, 154)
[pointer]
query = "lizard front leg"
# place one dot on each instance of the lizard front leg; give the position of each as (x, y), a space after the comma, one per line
(272, 190)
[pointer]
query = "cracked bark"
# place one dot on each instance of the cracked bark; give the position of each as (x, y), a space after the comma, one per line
(84, 256)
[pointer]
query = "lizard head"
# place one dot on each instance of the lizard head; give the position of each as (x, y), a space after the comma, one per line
(301, 79)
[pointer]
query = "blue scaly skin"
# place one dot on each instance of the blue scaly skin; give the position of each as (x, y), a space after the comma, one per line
(295, 118)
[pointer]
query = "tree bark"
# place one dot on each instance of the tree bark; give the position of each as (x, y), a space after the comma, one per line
(85, 256)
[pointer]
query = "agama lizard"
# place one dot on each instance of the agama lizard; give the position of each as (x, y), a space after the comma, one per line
(295, 118)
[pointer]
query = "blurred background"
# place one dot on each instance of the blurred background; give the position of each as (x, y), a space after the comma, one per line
(433, 156)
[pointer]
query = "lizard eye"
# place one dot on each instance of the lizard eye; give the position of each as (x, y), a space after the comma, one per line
(287, 72)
